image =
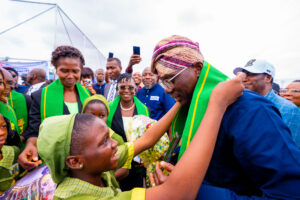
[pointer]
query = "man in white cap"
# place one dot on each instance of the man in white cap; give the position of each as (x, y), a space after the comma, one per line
(260, 75)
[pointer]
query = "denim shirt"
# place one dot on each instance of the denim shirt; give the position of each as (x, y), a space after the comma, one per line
(289, 113)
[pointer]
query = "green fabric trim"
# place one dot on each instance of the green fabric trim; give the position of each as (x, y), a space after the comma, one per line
(209, 78)
(8, 112)
(9, 169)
(52, 98)
(116, 137)
(140, 107)
(8, 155)
(18, 102)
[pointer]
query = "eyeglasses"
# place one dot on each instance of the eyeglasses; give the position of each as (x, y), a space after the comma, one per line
(289, 90)
(123, 87)
(168, 83)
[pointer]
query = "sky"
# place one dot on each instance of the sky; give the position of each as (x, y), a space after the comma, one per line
(229, 32)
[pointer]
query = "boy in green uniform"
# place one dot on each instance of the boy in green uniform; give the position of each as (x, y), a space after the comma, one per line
(9, 168)
(80, 153)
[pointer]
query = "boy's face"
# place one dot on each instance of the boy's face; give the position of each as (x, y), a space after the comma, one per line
(100, 150)
(98, 110)
(3, 131)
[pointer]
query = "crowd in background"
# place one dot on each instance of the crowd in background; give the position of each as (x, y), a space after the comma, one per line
(157, 112)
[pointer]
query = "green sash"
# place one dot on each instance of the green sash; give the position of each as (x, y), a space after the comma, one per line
(18, 102)
(8, 112)
(52, 99)
(140, 107)
(188, 119)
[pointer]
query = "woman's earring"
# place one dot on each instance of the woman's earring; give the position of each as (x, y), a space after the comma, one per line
(81, 166)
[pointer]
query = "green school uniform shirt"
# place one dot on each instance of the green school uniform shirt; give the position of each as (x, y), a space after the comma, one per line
(73, 188)
(9, 168)
(116, 137)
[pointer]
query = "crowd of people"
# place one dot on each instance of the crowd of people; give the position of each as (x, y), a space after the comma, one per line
(179, 130)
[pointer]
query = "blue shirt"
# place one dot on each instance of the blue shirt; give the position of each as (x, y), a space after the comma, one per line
(289, 113)
(99, 88)
(255, 154)
(157, 100)
(21, 88)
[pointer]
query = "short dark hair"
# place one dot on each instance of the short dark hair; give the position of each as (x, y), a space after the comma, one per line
(66, 52)
(11, 69)
(115, 59)
(86, 71)
(296, 81)
(124, 76)
(81, 123)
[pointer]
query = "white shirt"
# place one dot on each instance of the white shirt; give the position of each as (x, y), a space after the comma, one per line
(34, 88)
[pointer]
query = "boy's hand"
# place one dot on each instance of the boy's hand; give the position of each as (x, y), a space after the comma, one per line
(159, 177)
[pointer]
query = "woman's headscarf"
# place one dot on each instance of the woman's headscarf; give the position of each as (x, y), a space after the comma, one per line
(54, 143)
(174, 54)
(96, 97)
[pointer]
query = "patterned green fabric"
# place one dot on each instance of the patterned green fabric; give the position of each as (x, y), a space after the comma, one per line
(9, 168)
(52, 98)
(8, 112)
(18, 102)
(73, 188)
(116, 137)
(140, 107)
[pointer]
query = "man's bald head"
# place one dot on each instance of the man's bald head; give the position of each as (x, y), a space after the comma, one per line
(36, 75)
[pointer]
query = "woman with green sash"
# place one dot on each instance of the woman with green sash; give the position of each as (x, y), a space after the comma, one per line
(64, 96)
(122, 109)
(21, 104)
(7, 111)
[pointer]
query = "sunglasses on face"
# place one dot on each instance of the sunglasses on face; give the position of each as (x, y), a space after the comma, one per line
(289, 90)
(123, 87)
(169, 83)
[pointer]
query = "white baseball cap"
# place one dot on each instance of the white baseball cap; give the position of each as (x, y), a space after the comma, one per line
(256, 66)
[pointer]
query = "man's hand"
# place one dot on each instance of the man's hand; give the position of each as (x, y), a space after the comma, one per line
(134, 59)
(29, 158)
(159, 177)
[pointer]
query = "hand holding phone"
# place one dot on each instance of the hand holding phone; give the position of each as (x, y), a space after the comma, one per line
(87, 82)
(136, 50)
